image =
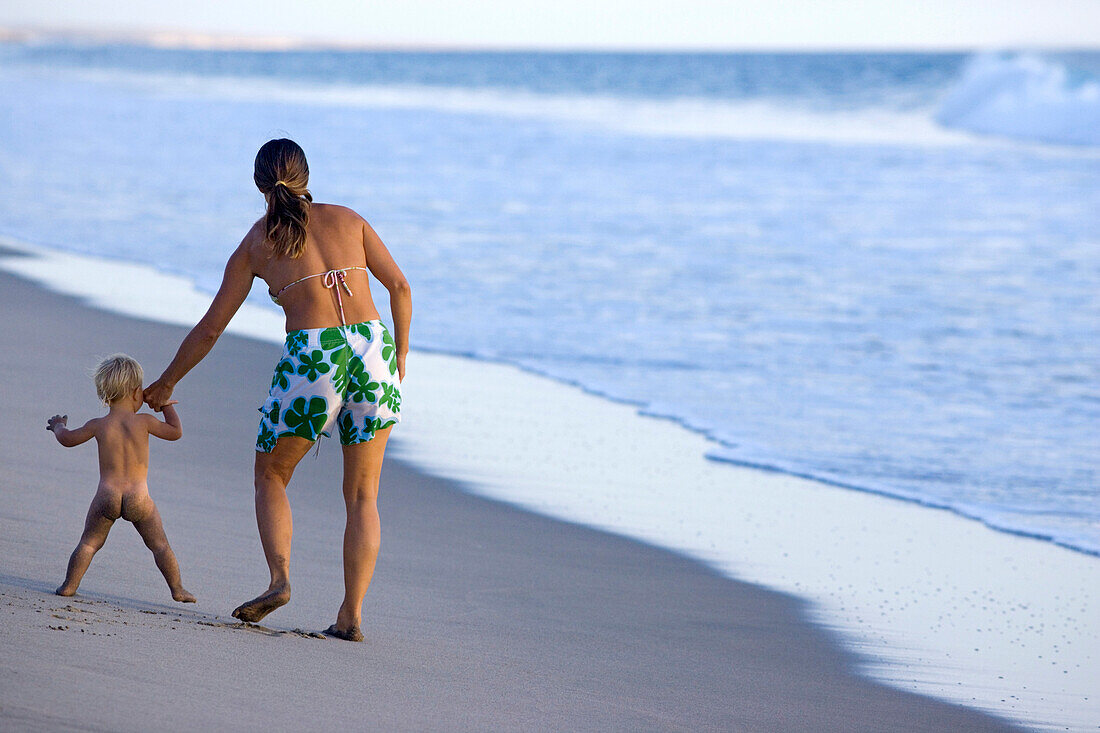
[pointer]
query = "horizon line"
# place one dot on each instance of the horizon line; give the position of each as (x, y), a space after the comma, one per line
(213, 41)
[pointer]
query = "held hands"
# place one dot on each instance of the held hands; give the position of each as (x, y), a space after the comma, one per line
(158, 394)
(57, 421)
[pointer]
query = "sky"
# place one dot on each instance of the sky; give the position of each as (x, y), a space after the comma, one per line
(654, 24)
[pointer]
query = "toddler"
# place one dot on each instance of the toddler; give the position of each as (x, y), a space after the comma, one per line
(123, 439)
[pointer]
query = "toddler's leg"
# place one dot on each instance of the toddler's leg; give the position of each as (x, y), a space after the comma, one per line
(96, 527)
(152, 532)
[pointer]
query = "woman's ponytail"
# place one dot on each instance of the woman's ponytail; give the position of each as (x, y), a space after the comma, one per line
(282, 175)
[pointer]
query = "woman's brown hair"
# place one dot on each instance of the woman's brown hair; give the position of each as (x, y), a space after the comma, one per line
(282, 175)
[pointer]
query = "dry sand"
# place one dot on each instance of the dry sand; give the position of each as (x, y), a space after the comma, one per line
(480, 616)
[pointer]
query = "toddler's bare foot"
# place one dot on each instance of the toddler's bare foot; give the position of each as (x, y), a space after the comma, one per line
(352, 634)
(182, 596)
(63, 591)
(261, 605)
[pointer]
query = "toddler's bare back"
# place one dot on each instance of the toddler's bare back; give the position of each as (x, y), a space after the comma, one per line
(123, 441)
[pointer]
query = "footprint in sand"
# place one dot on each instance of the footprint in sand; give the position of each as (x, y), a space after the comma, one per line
(256, 628)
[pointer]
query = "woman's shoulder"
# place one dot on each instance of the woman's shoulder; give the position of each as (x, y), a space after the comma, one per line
(256, 236)
(335, 212)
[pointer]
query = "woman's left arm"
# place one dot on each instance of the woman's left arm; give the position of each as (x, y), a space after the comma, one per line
(236, 284)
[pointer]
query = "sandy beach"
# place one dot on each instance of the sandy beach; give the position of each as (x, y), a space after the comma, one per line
(480, 615)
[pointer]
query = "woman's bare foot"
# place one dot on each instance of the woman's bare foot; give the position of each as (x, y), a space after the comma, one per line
(352, 634)
(63, 591)
(182, 596)
(261, 605)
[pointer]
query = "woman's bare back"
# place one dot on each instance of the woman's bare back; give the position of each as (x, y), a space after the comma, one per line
(336, 238)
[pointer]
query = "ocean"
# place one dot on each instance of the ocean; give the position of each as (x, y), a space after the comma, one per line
(875, 270)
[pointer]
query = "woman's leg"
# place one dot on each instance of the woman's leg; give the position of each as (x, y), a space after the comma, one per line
(363, 533)
(273, 472)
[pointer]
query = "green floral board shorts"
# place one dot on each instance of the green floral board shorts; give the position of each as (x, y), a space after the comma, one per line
(345, 375)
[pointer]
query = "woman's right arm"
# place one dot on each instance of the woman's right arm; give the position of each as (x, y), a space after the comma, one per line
(383, 267)
(236, 284)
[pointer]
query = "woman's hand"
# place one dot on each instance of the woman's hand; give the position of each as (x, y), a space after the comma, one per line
(401, 367)
(158, 394)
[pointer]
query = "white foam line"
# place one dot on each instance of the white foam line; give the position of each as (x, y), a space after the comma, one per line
(931, 601)
(132, 289)
(682, 117)
(685, 117)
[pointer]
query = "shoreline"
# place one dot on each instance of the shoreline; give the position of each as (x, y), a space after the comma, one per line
(889, 647)
(258, 324)
(481, 615)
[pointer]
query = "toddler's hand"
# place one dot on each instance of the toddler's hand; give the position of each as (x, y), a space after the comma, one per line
(57, 421)
(169, 403)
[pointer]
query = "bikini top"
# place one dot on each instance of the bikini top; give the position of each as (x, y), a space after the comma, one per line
(333, 279)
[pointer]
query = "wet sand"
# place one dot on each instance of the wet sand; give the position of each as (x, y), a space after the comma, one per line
(480, 615)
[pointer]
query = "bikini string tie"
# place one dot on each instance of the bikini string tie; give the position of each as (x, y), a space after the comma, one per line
(334, 280)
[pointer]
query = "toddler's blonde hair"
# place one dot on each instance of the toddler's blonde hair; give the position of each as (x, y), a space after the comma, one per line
(117, 376)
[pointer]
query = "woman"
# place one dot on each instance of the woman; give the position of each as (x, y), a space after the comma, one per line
(339, 365)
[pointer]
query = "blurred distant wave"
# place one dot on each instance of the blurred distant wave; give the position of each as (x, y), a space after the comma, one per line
(1025, 96)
